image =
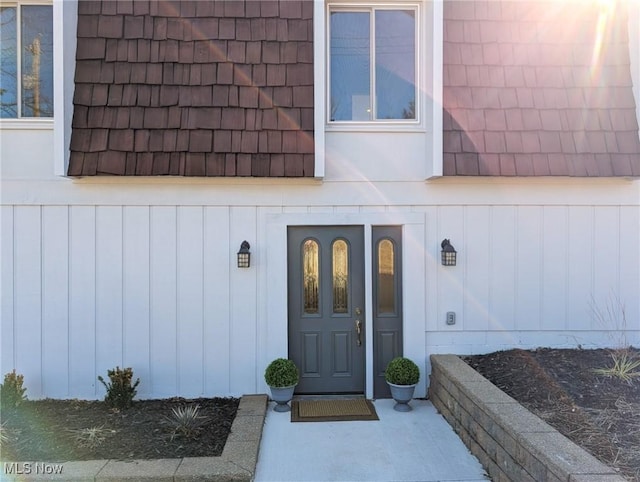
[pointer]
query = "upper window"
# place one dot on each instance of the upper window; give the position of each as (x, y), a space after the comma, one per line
(372, 63)
(26, 61)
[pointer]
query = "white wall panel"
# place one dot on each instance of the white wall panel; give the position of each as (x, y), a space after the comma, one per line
(475, 256)
(109, 289)
(629, 291)
(450, 279)
(216, 291)
(190, 338)
(554, 268)
(606, 262)
(265, 256)
(413, 292)
(432, 263)
(55, 301)
(82, 302)
(399, 156)
(502, 268)
(7, 328)
(164, 310)
(28, 297)
(579, 268)
(528, 267)
(136, 246)
(243, 295)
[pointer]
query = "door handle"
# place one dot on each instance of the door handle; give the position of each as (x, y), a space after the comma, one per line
(359, 332)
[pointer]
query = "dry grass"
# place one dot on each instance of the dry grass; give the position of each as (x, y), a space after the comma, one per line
(625, 365)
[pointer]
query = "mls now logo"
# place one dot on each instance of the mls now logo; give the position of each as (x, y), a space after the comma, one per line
(28, 468)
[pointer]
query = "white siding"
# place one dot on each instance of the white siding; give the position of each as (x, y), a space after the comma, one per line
(136, 299)
(163, 317)
(190, 313)
(7, 261)
(89, 287)
(27, 297)
(217, 312)
(109, 289)
(55, 301)
(82, 301)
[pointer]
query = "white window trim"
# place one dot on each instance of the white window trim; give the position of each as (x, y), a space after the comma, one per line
(29, 123)
(318, 91)
(634, 51)
(379, 125)
(65, 24)
(435, 169)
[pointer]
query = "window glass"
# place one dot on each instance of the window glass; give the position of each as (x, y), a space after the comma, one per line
(386, 278)
(26, 76)
(372, 50)
(8, 62)
(340, 276)
(37, 61)
(310, 276)
(350, 66)
(395, 64)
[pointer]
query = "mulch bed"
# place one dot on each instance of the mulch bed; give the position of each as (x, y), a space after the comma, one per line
(61, 430)
(599, 412)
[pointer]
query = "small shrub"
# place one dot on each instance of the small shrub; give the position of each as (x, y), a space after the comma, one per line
(120, 391)
(625, 363)
(402, 371)
(4, 434)
(12, 393)
(186, 421)
(91, 438)
(281, 373)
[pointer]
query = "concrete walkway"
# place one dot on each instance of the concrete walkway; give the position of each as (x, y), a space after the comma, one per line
(415, 446)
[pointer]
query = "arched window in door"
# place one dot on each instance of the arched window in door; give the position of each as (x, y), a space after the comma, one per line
(340, 255)
(310, 277)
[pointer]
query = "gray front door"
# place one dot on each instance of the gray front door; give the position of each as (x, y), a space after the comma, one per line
(326, 307)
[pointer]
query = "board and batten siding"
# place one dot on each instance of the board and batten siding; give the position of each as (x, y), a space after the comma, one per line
(89, 287)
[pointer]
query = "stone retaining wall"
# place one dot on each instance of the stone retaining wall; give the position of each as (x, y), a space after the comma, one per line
(510, 442)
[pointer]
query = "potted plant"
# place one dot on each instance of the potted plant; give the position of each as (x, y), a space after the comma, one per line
(402, 376)
(282, 377)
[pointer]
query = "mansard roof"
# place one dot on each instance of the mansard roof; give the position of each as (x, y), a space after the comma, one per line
(538, 88)
(225, 88)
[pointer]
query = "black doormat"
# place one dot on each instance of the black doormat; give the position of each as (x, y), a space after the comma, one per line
(332, 410)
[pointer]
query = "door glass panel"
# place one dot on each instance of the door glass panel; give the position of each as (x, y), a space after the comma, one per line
(340, 276)
(310, 276)
(386, 278)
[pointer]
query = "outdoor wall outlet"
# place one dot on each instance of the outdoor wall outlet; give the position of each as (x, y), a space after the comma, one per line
(451, 318)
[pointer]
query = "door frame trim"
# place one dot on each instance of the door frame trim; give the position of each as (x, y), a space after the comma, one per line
(273, 336)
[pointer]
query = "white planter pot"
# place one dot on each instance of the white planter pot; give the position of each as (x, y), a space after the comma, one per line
(402, 394)
(282, 396)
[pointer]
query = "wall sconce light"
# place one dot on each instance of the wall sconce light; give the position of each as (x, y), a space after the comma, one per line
(244, 256)
(448, 253)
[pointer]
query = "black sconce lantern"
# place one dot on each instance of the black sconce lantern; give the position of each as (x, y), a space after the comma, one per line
(448, 253)
(244, 256)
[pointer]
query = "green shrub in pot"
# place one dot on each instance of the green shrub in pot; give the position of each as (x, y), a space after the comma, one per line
(281, 373)
(402, 371)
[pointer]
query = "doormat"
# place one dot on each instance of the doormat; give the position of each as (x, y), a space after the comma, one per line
(332, 410)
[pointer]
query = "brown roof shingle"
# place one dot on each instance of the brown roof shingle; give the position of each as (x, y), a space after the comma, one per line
(531, 90)
(185, 88)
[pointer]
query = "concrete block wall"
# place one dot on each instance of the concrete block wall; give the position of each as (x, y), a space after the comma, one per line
(510, 442)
